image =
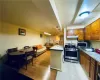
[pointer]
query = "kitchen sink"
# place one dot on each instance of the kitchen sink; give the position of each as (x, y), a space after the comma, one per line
(89, 49)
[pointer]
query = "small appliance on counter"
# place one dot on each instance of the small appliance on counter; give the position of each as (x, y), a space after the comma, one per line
(97, 51)
(82, 44)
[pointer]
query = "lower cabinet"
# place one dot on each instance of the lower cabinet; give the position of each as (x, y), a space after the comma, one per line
(85, 62)
(89, 65)
(98, 71)
(92, 72)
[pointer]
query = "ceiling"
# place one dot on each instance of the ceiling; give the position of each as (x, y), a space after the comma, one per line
(45, 15)
(69, 10)
(35, 14)
(66, 10)
(88, 5)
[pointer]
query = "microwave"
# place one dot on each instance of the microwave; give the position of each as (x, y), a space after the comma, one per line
(82, 44)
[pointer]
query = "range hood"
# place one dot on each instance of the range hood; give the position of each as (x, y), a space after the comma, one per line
(72, 36)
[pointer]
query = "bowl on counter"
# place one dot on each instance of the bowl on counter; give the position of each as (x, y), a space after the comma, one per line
(97, 51)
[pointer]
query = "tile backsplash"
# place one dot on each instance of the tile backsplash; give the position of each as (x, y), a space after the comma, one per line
(95, 44)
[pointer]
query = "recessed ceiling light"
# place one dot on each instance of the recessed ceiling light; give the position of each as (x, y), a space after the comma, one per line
(84, 14)
(47, 33)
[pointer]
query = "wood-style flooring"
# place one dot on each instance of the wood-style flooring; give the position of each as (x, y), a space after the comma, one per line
(41, 68)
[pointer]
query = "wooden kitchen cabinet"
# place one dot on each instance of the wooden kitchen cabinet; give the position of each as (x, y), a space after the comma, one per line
(81, 58)
(98, 71)
(88, 32)
(92, 31)
(76, 32)
(80, 34)
(95, 30)
(85, 61)
(89, 65)
(92, 70)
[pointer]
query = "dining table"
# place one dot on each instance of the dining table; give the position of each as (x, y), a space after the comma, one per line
(21, 52)
(18, 59)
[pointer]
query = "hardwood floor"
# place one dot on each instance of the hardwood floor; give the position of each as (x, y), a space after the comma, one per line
(53, 74)
(41, 68)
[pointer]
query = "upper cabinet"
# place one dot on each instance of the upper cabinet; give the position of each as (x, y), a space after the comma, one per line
(76, 32)
(95, 30)
(79, 33)
(88, 32)
(70, 32)
(92, 31)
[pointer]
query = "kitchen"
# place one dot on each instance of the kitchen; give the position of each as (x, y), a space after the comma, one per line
(82, 45)
(89, 55)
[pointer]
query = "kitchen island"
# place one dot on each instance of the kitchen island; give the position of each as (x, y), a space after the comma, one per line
(56, 57)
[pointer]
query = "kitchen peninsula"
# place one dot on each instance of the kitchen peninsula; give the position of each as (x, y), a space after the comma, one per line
(56, 57)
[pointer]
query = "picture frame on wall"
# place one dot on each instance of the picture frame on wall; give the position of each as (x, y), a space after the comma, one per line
(22, 32)
(41, 35)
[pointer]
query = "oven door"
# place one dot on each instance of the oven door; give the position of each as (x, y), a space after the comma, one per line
(70, 54)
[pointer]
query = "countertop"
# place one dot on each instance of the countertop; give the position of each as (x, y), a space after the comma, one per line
(7, 73)
(93, 55)
(57, 47)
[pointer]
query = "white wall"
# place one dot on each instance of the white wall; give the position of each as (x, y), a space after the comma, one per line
(73, 41)
(75, 26)
(9, 37)
(92, 20)
(65, 36)
(95, 44)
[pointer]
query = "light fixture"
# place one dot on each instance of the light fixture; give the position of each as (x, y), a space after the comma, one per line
(84, 14)
(47, 33)
(71, 31)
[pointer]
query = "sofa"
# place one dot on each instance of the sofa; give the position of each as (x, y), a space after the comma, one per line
(49, 45)
(40, 49)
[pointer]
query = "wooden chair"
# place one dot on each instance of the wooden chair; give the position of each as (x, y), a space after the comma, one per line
(35, 51)
(28, 58)
(26, 47)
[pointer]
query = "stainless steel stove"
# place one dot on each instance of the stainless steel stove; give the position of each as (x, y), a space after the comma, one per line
(71, 53)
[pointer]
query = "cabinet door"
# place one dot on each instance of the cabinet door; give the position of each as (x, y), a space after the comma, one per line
(87, 66)
(82, 59)
(95, 30)
(88, 32)
(92, 72)
(79, 33)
